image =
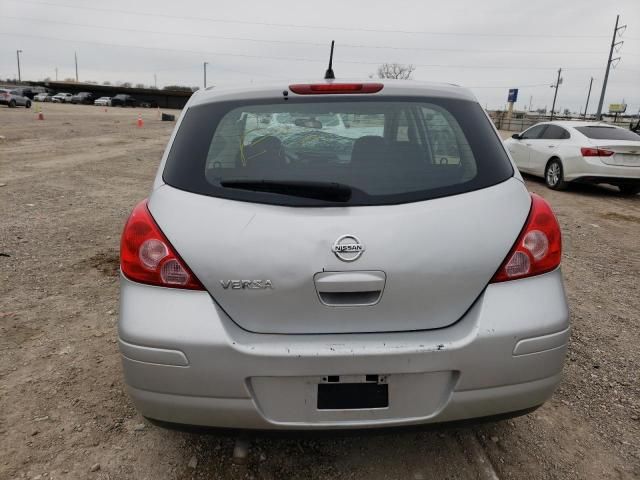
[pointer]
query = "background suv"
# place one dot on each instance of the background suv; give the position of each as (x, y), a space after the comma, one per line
(13, 98)
(123, 100)
(83, 98)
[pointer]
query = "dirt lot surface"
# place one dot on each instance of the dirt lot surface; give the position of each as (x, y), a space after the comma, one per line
(67, 186)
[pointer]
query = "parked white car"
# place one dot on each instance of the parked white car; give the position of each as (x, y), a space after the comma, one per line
(42, 97)
(586, 152)
(103, 102)
(61, 98)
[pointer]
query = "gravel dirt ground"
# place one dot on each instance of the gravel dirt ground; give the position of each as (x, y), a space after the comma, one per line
(67, 186)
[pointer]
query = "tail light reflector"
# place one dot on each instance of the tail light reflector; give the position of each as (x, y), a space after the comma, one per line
(595, 152)
(539, 246)
(146, 256)
(333, 88)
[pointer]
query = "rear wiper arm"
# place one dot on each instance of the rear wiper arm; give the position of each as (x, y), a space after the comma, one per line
(329, 191)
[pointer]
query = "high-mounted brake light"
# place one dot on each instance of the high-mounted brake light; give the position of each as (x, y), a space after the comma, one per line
(334, 88)
(146, 256)
(595, 152)
(539, 246)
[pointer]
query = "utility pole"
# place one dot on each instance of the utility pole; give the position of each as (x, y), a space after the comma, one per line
(555, 94)
(205, 74)
(56, 74)
(75, 54)
(155, 80)
(18, 52)
(530, 102)
(586, 107)
(614, 44)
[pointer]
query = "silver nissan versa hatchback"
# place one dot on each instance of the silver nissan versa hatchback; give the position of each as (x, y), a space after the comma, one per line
(339, 255)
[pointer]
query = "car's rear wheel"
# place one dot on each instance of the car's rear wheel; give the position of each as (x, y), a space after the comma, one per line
(12, 104)
(629, 189)
(28, 105)
(554, 175)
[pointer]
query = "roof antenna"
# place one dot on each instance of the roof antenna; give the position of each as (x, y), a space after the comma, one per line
(329, 75)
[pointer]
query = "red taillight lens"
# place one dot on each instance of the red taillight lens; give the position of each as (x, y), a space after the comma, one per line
(595, 152)
(320, 88)
(539, 246)
(146, 256)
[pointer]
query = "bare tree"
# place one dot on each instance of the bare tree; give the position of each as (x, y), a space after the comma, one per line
(395, 70)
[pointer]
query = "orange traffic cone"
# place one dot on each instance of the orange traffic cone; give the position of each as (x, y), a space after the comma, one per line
(140, 122)
(40, 115)
(105, 109)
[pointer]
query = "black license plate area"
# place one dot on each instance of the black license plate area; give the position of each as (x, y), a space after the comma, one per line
(351, 396)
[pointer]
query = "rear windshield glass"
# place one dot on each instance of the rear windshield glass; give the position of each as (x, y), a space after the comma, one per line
(608, 133)
(383, 151)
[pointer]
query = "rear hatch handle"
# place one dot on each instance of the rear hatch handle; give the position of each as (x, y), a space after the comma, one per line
(350, 289)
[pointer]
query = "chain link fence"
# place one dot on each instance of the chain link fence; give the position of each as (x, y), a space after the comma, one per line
(519, 122)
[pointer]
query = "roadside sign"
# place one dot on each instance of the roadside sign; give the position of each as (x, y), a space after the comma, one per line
(513, 95)
(617, 107)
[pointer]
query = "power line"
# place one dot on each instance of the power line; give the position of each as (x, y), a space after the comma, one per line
(295, 25)
(510, 86)
(296, 42)
(289, 59)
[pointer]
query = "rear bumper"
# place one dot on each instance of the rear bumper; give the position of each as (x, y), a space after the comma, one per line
(594, 170)
(186, 362)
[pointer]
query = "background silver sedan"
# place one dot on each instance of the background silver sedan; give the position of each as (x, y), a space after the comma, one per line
(567, 151)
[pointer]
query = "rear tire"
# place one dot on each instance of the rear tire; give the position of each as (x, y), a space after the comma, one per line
(12, 104)
(554, 175)
(629, 190)
(28, 105)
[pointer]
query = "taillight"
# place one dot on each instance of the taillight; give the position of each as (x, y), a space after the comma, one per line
(539, 246)
(146, 256)
(320, 88)
(595, 152)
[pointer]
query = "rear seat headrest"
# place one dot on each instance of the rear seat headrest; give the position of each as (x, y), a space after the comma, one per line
(369, 150)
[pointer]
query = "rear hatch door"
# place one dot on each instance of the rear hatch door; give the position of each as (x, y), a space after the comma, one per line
(268, 266)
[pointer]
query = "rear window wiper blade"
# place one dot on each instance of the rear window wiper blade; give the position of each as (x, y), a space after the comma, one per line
(329, 191)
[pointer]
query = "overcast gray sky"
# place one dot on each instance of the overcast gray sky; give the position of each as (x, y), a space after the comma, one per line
(487, 45)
